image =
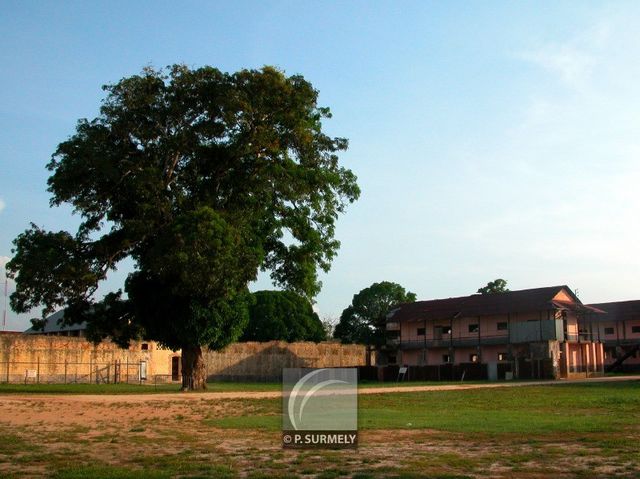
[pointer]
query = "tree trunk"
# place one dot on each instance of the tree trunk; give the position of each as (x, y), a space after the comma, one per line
(194, 371)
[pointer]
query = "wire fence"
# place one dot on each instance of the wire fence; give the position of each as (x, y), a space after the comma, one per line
(68, 372)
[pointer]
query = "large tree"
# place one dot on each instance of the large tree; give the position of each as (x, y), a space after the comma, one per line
(364, 321)
(497, 286)
(203, 178)
(282, 316)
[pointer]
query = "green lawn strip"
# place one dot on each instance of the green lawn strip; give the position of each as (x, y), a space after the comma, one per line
(216, 386)
(601, 407)
(122, 388)
(86, 389)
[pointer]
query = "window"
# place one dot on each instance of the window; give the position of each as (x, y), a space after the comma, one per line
(502, 356)
(503, 326)
(473, 358)
(421, 331)
(446, 358)
(635, 329)
(608, 330)
(144, 347)
(473, 328)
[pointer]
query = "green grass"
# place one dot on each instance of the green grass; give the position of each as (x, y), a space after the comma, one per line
(86, 388)
(218, 386)
(130, 388)
(578, 408)
(564, 430)
(105, 472)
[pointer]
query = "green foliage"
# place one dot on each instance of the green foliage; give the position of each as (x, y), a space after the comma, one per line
(283, 316)
(497, 286)
(203, 178)
(364, 321)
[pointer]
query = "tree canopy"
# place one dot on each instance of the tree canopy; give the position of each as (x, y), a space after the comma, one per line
(282, 316)
(203, 178)
(364, 320)
(497, 286)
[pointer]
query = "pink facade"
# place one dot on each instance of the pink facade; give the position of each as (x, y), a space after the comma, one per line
(519, 327)
(619, 331)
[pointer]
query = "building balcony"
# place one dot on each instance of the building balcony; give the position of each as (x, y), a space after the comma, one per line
(455, 342)
(619, 341)
(581, 338)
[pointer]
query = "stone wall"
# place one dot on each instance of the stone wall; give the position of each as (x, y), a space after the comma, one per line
(264, 361)
(58, 359)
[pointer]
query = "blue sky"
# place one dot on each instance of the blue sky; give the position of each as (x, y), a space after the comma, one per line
(491, 139)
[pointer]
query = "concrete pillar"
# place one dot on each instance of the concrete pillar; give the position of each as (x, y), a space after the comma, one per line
(595, 357)
(587, 361)
(601, 348)
(565, 357)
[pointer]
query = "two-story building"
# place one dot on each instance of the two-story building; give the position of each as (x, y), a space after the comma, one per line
(535, 326)
(619, 331)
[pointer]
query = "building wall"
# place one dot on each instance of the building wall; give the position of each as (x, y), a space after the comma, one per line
(60, 358)
(488, 326)
(623, 331)
(71, 359)
(254, 361)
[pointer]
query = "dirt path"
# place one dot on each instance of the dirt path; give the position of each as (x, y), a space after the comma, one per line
(108, 399)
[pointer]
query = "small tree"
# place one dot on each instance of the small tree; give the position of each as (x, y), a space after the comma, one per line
(364, 321)
(329, 325)
(282, 316)
(203, 178)
(497, 286)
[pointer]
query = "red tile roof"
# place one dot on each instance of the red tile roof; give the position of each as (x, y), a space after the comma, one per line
(522, 301)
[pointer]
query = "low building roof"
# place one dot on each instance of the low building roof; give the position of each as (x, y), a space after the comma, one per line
(618, 310)
(53, 325)
(521, 301)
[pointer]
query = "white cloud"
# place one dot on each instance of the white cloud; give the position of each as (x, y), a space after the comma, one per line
(574, 61)
(573, 66)
(556, 201)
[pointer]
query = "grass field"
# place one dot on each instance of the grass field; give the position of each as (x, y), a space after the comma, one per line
(174, 388)
(564, 430)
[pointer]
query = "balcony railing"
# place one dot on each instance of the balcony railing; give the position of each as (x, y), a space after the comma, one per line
(455, 342)
(582, 337)
(619, 341)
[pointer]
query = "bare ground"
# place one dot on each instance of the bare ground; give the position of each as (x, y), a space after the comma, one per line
(138, 432)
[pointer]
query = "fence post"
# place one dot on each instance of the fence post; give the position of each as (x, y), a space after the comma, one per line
(65, 371)
(38, 371)
(108, 372)
(8, 366)
(90, 370)
(127, 364)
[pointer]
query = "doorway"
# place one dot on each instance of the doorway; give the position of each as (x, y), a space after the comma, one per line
(175, 368)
